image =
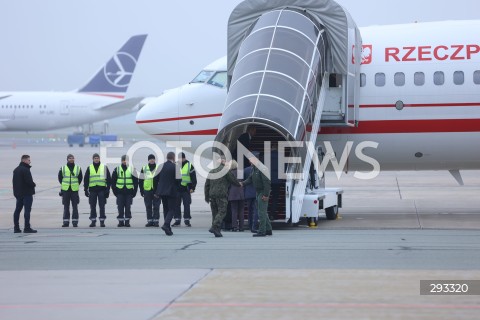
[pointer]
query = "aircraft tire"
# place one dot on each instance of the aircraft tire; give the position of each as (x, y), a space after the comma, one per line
(331, 213)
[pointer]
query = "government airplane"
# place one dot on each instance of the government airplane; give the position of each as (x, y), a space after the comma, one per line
(419, 99)
(398, 97)
(103, 97)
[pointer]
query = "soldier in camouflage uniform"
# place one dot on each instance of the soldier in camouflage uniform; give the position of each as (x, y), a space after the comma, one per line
(216, 193)
(262, 187)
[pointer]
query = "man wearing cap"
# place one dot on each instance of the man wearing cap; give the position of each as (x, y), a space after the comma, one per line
(96, 184)
(124, 187)
(262, 187)
(148, 185)
(187, 187)
(70, 177)
(216, 193)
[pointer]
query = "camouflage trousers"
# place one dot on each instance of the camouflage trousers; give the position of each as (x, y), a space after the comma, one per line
(219, 210)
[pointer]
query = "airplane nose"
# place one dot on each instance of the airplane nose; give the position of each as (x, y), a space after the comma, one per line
(159, 116)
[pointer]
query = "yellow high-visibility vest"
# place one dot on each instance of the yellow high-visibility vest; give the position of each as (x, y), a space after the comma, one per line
(70, 180)
(148, 177)
(97, 178)
(124, 178)
(186, 174)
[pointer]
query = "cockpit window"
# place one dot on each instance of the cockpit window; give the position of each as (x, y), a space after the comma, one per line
(202, 76)
(219, 79)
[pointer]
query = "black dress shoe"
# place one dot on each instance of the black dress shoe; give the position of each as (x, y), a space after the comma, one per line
(75, 224)
(187, 223)
(93, 224)
(217, 233)
(17, 230)
(176, 224)
(127, 224)
(259, 235)
(268, 232)
(102, 224)
(149, 224)
(29, 230)
(65, 225)
(156, 224)
(167, 230)
(120, 224)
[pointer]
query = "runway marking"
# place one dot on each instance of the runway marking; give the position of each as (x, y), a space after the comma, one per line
(251, 305)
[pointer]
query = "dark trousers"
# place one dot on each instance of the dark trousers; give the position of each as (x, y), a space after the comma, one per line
(92, 199)
(186, 198)
(68, 197)
(237, 213)
(152, 205)
(24, 202)
(264, 223)
(169, 203)
(275, 193)
(252, 213)
(124, 203)
(219, 211)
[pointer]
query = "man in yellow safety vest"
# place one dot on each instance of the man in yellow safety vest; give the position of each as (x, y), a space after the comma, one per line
(148, 184)
(187, 187)
(96, 184)
(70, 177)
(124, 187)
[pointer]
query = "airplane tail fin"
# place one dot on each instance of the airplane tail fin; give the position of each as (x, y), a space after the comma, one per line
(114, 77)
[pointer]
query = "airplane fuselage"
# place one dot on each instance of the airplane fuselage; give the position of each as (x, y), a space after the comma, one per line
(419, 101)
(31, 111)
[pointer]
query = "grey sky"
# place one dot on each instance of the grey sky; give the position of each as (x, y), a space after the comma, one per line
(58, 45)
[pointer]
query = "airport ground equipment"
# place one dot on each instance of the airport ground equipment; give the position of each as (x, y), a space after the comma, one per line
(293, 68)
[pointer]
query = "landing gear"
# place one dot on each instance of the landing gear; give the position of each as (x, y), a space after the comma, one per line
(331, 213)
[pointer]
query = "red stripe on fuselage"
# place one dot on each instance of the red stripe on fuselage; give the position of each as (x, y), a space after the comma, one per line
(180, 118)
(407, 126)
(210, 132)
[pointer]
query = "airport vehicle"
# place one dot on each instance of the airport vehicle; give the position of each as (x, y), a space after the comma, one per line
(397, 97)
(103, 97)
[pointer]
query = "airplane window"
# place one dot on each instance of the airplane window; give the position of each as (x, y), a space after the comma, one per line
(399, 79)
(203, 76)
(419, 78)
(458, 77)
(380, 79)
(439, 78)
(219, 79)
(476, 77)
(363, 79)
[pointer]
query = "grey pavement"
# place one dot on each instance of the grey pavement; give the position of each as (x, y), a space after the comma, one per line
(393, 231)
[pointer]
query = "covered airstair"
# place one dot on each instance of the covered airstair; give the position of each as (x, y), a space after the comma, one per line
(293, 68)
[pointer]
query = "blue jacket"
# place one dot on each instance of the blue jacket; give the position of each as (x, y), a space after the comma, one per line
(249, 190)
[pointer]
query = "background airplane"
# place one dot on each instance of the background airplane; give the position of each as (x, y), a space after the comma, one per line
(103, 97)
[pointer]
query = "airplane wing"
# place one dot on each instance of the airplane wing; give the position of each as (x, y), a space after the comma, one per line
(131, 103)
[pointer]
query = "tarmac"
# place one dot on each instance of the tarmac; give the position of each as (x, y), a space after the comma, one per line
(392, 232)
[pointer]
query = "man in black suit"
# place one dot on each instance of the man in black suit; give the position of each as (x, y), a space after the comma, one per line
(245, 139)
(169, 180)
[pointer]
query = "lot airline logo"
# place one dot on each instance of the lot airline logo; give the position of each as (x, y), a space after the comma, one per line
(367, 50)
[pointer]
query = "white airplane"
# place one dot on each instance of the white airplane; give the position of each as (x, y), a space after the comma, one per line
(408, 100)
(103, 97)
(431, 69)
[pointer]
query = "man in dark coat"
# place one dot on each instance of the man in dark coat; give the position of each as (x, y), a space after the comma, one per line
(169, 180)
(23, 190)
(245, 139)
